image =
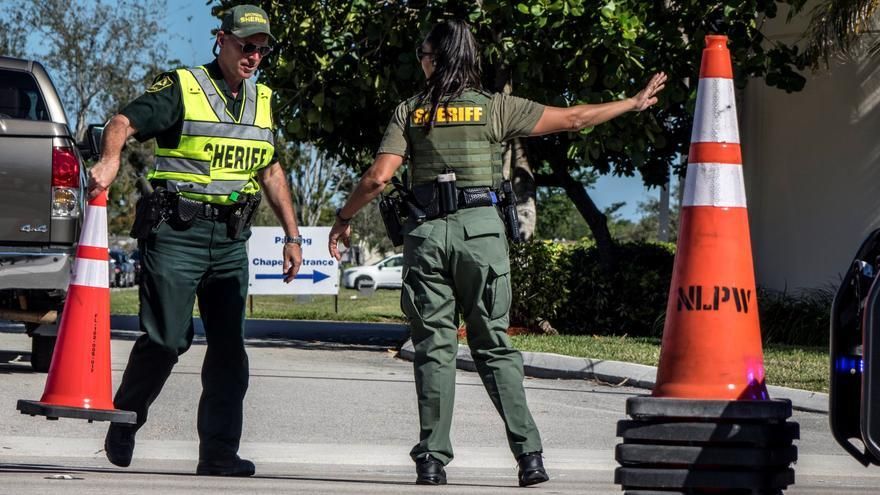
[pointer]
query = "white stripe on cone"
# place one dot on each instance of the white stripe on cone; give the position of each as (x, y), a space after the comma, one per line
(94, 230)
(715, 117)
(714, 184)
(91, 273)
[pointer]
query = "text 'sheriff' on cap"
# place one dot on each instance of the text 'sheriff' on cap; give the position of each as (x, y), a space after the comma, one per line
(246, 20)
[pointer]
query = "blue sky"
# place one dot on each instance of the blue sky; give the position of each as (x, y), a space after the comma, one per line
(192, 22)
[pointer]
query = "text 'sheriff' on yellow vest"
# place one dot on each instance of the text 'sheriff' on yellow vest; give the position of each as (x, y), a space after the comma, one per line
(218, 153)
(460, 140)
(465, 114)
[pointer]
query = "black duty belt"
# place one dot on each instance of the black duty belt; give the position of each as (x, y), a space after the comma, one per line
(426, 199)
(200, 209)
(187, 209)
(215, 212)
(472, 197)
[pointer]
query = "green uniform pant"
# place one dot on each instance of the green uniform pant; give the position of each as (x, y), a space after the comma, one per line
(177, 266)
(460, 264)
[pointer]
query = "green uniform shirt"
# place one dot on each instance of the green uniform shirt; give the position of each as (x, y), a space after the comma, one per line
(158, 113)
(510, 117)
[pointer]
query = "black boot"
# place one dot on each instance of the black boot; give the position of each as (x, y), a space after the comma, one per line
(119, 444)
(430, 471)
(230, 467)
(531, 469)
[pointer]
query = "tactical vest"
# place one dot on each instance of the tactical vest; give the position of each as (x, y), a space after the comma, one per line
(219, 153)
(459, 140)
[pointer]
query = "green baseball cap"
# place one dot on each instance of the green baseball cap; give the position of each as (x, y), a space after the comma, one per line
(246, 20)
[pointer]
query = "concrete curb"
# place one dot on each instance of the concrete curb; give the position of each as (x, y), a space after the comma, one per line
(339, 332)
(547, 365)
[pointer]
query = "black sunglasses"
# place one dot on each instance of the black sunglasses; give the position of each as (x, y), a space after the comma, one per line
(421, 53)
(248, 48)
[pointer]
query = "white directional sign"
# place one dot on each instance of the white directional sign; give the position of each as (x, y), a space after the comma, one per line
(319, 273)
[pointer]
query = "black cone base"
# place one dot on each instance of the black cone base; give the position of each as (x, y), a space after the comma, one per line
(685, 446)
(37, 408)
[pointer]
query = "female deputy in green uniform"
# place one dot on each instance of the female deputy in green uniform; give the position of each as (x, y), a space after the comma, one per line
(455, 248)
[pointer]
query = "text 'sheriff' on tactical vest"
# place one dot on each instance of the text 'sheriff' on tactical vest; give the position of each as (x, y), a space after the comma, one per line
(460, 140)
(219, 153)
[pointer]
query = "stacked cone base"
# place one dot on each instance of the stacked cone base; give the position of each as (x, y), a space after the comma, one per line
(52, 412)
(687, 446)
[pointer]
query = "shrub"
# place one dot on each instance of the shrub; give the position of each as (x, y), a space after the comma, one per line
(538, 273)
(629, 301)
(799, 318)
(565, 284)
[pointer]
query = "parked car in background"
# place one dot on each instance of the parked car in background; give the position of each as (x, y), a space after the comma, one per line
(135, 258)
(387, 273)
(42, 199)
(121, 269)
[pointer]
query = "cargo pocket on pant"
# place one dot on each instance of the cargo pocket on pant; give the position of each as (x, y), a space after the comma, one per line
(497, 294)
(407, 301)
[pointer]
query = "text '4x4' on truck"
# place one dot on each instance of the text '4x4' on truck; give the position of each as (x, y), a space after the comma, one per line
(42, 199)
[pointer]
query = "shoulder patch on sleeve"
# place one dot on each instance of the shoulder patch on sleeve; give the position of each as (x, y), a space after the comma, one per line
(162, 82)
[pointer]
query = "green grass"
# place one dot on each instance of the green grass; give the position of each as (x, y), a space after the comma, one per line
(381, 306)
(798, 367)
(628, 349)
(787, 366)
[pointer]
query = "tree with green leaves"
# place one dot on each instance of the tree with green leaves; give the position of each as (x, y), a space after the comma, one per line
(559, 220)
(101, 55)
(316, 179)
(845, 28)
(13, 32)
(341, 66)
(647, 227)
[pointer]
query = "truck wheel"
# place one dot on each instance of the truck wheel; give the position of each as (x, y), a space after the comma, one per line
(42, 347)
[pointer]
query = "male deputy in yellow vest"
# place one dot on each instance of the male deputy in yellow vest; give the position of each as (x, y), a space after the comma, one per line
(215, 153)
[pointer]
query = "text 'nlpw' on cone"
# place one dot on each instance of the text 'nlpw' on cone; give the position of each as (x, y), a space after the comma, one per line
(79, 381)
(711, 345)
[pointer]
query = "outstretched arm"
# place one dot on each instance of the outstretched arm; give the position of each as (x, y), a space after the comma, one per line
(558, 119)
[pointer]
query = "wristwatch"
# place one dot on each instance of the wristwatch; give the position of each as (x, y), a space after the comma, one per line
(339, 218)
(293, 240)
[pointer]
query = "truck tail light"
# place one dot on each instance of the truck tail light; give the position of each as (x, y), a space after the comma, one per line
(65, 182)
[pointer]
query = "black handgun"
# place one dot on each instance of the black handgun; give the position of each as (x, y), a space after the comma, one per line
(391, 207)
(149, 209)
(509, 214)
(241, 215)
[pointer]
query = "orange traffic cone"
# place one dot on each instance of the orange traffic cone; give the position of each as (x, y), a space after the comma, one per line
(711, 345)
(79, 384)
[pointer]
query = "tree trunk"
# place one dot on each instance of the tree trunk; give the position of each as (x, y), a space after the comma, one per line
(597, 220)
(663, 220)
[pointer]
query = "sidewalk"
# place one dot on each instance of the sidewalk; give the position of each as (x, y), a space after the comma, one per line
(547, 365)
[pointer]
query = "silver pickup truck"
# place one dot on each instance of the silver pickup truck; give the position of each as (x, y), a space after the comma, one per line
(42, 184)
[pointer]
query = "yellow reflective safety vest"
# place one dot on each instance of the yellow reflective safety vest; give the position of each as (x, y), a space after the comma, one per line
(460, 140)
(219, 153)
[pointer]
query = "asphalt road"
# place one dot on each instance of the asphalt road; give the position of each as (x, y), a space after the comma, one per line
(327, 418)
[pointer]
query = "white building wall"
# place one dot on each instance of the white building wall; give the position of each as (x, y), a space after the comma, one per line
(812, 172)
